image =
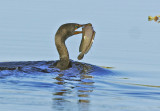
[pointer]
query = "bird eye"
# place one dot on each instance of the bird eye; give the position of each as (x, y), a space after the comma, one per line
(76, 27)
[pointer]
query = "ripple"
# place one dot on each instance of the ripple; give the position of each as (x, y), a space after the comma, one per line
(84, 85)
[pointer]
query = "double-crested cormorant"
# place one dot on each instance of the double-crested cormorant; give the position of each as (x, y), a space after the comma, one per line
(65, 31)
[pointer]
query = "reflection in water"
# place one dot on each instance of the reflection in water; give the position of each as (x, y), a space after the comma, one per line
(73, 87)
(36, 85)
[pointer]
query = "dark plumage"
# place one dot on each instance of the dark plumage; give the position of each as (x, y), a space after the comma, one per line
(64, 31)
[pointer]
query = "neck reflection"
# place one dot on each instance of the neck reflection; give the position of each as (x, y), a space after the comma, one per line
(73, 89)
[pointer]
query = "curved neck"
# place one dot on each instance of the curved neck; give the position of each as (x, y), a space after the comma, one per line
(62, 49)
(64, 61)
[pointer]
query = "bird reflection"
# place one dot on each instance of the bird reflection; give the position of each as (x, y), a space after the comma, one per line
(73, 87)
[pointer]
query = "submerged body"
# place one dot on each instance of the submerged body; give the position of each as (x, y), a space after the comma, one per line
(87, 40)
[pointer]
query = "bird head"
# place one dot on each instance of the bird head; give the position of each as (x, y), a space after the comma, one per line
(69, 29)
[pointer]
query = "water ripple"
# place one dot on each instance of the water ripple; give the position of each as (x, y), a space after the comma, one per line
(85, 86)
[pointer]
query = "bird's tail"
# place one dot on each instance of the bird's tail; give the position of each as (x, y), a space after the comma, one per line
(81, 55)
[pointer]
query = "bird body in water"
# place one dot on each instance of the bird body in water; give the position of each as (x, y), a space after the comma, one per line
(64, 32)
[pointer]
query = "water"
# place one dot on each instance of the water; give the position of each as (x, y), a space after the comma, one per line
(124, 40)
(37, 85)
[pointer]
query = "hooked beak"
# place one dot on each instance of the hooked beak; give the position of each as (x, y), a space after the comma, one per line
(78, 32)
(78, 26)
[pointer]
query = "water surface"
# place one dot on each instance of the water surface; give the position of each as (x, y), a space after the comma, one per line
(124, 40)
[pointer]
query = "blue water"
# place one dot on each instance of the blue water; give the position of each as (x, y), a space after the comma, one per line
(125, 41)
(38, 85)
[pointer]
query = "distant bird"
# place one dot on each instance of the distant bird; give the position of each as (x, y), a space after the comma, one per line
(64, 32)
